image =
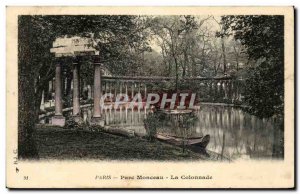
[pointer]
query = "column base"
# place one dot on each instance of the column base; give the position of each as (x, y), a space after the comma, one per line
(58, 120)
(97, 121)
(77, 119)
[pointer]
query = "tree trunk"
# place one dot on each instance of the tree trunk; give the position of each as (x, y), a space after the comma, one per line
(236, 53)
(193, 67)
(237, 63)
(224, 57)
(170, 68)
(176, 69)
(37, 103)
(26, 105)
(185, 64)
(26, 118)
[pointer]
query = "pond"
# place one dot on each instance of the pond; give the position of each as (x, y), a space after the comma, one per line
(233, 133)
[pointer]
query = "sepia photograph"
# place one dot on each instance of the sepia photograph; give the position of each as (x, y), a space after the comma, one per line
(152, 87)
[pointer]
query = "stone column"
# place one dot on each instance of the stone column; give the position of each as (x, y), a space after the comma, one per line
(42, 107)
(132, 89)
(139, 88)
(110, 86)
(121, 84)
(115, 90)
(58, 118)
(222, 89)
(97, 118)
(216, 90)
(50, 86)
(230, 90)
(89, 91)
(212, 90)
(226, 89)
(105, 87)
(76, 92)
(145, 93)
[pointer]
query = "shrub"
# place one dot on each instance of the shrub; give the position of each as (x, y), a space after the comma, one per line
(67, 101)
(50, 109)
(152, 122)
(96, 128)
(72, 124)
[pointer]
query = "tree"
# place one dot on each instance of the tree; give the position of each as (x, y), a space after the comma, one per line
(36, 33)
(170, 30)
(263, 38)
(26, 82)
(223, 34)
(180, 39)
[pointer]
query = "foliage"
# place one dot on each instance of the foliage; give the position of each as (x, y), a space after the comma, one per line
(67, 101)
(152, 123)
(187, 47)
(265, 90)
(263, 37)
(118, 36)
(26, 105)
(72, 124)
(95, 128)
(189, 120)
(175, 34)
(50, 109)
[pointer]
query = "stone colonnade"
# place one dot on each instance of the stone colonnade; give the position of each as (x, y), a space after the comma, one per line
(214, 89)
(58, 118)
(226, 89)
(131, 88)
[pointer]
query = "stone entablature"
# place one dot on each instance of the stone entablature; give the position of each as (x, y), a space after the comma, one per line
(74, 46)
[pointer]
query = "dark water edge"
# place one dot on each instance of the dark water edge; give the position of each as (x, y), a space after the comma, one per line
(234, 134)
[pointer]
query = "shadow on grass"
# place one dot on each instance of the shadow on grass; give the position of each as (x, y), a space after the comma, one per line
(68, 144)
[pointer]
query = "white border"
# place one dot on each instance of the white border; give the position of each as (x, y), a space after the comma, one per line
(5, 3)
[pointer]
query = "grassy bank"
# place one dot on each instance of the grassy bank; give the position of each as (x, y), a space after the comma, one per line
(59, 143)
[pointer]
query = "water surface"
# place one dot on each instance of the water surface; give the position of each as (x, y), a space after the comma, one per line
(234, 133)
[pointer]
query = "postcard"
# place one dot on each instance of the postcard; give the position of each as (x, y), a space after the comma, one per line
(150, 97)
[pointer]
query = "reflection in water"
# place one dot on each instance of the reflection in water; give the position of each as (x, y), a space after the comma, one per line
(234, 133)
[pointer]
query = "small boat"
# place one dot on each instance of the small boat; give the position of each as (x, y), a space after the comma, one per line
(204, 141)
(195, 141)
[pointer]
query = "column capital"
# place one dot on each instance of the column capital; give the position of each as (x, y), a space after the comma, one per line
(96, 60)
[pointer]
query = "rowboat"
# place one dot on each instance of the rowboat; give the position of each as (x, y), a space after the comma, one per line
(195, 141)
